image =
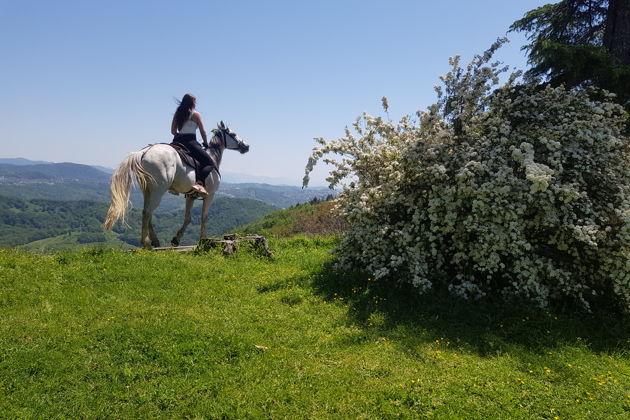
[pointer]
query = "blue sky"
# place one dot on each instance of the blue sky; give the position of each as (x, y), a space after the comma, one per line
(89, 81)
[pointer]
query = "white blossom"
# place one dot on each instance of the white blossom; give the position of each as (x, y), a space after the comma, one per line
(520, 191)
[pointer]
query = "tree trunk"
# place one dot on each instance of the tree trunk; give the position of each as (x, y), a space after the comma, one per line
(617, 32)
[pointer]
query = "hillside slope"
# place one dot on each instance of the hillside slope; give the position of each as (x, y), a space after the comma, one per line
(310, 219)
(168, 335)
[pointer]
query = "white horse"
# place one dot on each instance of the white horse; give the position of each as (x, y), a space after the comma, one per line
(158, 168)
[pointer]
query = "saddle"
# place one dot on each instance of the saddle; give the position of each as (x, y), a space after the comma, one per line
(185, 155)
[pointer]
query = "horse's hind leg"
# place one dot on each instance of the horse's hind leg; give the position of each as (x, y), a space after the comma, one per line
(155, 242)
(148, 237)
(187, 217)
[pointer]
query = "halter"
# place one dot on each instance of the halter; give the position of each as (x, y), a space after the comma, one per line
(222, 133)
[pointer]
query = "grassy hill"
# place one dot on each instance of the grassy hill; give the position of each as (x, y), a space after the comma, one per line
(310, 219)
(110, 334)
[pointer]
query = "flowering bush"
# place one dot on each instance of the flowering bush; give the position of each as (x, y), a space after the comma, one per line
(522, 191)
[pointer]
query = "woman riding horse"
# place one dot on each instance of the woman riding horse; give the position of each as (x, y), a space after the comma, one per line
(184, 127)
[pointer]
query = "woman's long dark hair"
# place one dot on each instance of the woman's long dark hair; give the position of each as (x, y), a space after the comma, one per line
(185, 108)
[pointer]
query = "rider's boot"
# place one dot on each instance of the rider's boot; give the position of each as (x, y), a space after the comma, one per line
(200, 189)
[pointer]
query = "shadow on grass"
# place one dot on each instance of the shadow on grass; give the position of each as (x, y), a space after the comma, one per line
(486, 327)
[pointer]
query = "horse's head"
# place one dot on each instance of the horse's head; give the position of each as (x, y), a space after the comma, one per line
(230, 139)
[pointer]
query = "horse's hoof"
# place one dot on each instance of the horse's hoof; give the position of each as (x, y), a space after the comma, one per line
(175, 242)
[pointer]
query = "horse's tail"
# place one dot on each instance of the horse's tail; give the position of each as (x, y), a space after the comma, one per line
(120, 187)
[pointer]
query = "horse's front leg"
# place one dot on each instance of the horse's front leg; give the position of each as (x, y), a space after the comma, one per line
(204, 214)
(187, 217)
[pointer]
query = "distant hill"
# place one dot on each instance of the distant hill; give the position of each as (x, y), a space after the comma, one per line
(21, 161)
(99, 191)
(73, 191)
(278, 195)
(239, 178)
(23, 221)
(104, 169)
(78, 222)
(22, 178)
(51, 172)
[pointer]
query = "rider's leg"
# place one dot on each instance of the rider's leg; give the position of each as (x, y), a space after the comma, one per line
(205, 163)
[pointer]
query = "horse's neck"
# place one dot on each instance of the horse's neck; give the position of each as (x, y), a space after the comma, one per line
(216, 151)
(217, 155)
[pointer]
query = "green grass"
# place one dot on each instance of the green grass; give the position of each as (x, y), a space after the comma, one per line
(109, 334)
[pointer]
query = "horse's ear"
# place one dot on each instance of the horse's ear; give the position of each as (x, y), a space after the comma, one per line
(222, 125)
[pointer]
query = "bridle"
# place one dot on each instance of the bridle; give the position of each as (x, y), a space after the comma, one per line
(222, 131)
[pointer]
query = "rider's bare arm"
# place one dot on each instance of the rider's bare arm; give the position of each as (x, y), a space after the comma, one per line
(196, 117)
(174, 126)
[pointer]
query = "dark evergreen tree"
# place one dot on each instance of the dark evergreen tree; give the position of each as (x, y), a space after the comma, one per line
(617, 31)
(580, 42)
